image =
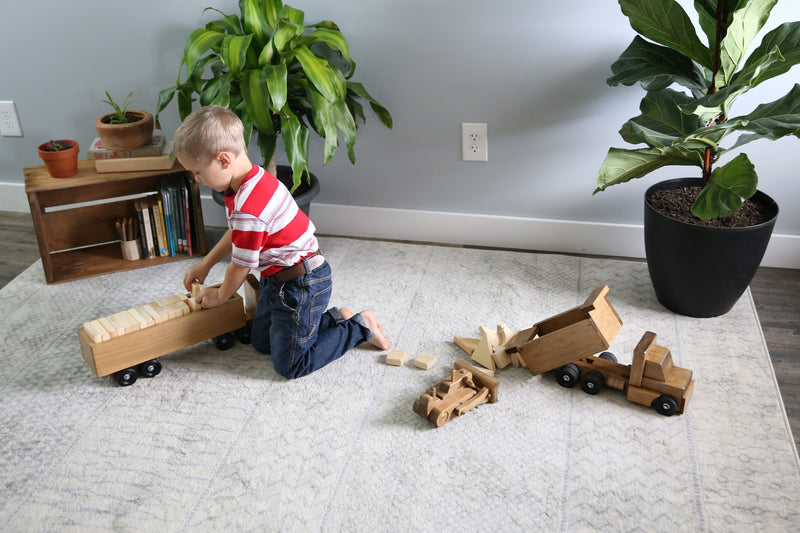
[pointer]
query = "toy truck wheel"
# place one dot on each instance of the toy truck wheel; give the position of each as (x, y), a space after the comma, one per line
(592, 382)
(224, 341)
(568, 375)
(126, 377)
(150, 369)
(243, 335)
(608, 356)
(665, 405)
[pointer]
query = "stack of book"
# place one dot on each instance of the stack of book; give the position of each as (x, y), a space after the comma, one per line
(167, 222)
(157, 155)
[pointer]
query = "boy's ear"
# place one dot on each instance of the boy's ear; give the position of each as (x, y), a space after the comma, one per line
(224, 159)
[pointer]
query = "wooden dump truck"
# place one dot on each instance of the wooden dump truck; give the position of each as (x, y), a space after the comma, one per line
(463, 389)
(651, 380)
(582, 331)
(127, 344)
(568, 342)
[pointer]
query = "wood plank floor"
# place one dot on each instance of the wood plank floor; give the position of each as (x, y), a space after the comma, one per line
(776, 293)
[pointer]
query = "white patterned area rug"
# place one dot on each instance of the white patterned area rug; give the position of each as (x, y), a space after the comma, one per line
(219, 442)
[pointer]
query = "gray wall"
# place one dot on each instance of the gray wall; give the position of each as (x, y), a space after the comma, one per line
(533, 70)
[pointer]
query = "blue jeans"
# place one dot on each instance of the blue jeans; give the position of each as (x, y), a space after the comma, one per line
(292, 325)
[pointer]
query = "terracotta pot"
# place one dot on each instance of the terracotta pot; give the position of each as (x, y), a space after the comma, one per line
(61, 163)
(128, 136)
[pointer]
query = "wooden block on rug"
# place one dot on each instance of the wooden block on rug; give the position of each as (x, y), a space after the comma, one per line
(396, 357)
(425, 361)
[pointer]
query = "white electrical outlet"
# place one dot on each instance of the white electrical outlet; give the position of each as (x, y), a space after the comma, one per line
(9, 121)
(474, 142)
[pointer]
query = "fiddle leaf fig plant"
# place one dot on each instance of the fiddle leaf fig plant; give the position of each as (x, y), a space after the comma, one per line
(691, 83)
(280, 76)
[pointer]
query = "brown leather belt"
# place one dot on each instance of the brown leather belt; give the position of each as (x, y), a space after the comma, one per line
(289, 273)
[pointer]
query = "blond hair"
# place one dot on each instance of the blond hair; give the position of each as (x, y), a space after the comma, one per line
(208, 131)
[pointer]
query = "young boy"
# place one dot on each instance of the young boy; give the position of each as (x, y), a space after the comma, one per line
(269, 234)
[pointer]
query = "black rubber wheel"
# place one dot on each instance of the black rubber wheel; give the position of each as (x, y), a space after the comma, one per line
(592, 382)
(608, 356)
(224, 341)
(243, 335)
(150, 369)
(665, 405)
(568, 376)
(126, 377)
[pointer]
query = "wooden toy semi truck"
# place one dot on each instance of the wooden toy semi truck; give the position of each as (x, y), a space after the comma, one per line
(127, 344)
(651, 380)
(569, 340)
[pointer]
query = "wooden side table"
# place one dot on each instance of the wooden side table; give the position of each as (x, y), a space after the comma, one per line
(74, 218)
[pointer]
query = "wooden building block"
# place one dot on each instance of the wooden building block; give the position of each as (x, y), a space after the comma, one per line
(112, 331)
(425, 361)
(140, 319)
(148, 312)
(396, 357)
(197, 288)
(193, 305)
(483, 352)
(162, 312)
(466, 344)
(96, 331)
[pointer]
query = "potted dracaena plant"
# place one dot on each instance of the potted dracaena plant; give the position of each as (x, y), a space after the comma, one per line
(280, 76)
(699, 265)
(123, 128)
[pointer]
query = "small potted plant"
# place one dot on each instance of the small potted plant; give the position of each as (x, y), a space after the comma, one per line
(124, 129)
(280, 76)
(701, 258)
(60, 157)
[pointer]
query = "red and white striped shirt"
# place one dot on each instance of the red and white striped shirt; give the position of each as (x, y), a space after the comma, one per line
(268, 230)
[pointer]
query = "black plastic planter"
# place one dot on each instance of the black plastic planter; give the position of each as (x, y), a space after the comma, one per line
(700, 271)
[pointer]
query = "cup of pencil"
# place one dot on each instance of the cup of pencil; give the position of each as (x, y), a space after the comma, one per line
(128, 231)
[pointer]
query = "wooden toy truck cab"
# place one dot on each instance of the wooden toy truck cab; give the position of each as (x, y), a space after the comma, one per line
(651, 380)
(579, 332)
(134, 352)
(465, 388)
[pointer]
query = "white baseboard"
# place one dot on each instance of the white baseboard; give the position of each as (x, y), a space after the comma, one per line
(564, 236)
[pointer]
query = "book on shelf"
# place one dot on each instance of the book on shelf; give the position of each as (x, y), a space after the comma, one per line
(98, 151)
(167, 219)
(165, 161)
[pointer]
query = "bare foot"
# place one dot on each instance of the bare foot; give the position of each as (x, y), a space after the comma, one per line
(346, 314)
(378, 339)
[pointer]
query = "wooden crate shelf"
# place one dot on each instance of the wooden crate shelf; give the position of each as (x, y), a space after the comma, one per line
(77, 238)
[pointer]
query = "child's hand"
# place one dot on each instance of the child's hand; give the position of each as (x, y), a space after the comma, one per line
(209, 298)
(194, 274)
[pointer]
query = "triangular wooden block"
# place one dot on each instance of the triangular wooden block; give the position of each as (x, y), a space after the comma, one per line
(483, 352)
(466, 344)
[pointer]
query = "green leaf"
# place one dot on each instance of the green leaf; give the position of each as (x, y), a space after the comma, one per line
(198, 43)
(276, 85)
(295, 140)
(326, 79)
(332, 38)
(665, 22)
(656, 67)
(285, 32)
(256, 98)
(229, 24)
(164, 98)
(381, 112)
(775, 119)
(326, 122)
(234, 52)
(778, 52)
(728, 188)
(255, 22)
(707, 11)
(746, 22)
(622, 165)
(266, 144)
(662, 122)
